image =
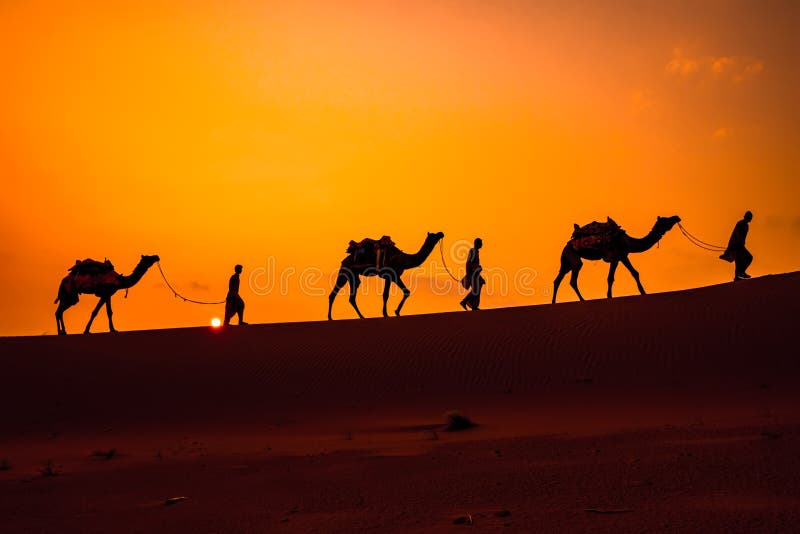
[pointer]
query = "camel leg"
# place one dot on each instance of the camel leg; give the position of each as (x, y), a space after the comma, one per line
(557, 282)
(611, 270)
(341, 280)
(62, 330)
(386, 289)
(354, 283)
(65, 301)
(573, 279)
(94, 314)
(627, 263)
(110, 313)
(569, 261)
(406, 294)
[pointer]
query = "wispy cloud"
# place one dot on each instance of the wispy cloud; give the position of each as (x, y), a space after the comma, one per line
(734, 69)
(784, 223)
(722, 133)
(682, 66)
(642, 101)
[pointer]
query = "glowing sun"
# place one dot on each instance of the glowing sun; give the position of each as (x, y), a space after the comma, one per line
(215, 322)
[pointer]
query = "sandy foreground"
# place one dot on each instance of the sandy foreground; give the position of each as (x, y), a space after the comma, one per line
(670, 412)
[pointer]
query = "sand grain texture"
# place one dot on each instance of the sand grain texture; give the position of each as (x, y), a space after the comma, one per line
(678, 409)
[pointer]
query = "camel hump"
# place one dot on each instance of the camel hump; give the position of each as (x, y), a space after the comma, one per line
(596, 236)
(385, 242)
(595, 228)
(91, 267)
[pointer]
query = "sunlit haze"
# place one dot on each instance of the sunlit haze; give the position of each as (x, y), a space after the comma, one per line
(271, 134)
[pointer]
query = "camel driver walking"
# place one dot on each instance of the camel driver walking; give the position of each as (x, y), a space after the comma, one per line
(736, 251)
(473, 281)
(234, 305)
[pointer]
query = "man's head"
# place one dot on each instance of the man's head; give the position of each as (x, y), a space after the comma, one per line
(238, 269)
(748, 216)
(478, 242)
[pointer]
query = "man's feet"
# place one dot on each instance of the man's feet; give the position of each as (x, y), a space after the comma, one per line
(464, 305)
(243, 323)
(742, 276)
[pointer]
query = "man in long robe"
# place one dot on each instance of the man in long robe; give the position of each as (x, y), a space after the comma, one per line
(234, 304)
(736, 251)
(473, 281)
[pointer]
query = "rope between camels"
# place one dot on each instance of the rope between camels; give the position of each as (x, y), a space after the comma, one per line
(444, 263)
(176, 294)
(699, 242)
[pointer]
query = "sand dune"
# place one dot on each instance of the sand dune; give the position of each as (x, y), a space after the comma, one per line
(718, 365)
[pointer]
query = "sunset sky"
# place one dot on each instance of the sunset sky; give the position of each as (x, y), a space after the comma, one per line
(271, 133)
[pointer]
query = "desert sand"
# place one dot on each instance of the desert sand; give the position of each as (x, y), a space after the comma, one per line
(673, 412)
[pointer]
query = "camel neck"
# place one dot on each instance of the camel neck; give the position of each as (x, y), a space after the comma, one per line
(133, 278)
(645, 243)
(417, 259)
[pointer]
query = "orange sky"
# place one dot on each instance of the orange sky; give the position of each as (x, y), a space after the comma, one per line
(213, 133)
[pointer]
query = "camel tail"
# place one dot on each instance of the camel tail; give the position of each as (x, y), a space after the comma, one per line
(56, 301)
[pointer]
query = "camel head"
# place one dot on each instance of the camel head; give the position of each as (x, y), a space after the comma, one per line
(434, 238)
(148, 261)
(665, 224)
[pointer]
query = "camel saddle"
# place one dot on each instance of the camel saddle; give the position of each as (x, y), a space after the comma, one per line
(370, 251)
(595, 236)
(89, 274)
(90, 266)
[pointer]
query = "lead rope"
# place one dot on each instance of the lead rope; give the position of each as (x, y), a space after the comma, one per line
(699, 242)
(444, 263)
(176, 294)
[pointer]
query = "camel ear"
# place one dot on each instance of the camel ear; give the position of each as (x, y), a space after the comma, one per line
(612, 221)
(575, 225)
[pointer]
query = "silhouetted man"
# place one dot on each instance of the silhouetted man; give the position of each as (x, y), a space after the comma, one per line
(234, 305)
(736, 251)
(473, 281)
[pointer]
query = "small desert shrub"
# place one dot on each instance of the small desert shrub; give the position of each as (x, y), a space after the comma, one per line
(458, 421)
(106, 455)
(49, 469)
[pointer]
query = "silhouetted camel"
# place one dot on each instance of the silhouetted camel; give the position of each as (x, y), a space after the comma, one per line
(613, 252)
(101, 284)
(397, 261)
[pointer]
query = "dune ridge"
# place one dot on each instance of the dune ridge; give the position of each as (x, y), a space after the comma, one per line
(730, 335)
(679, 409)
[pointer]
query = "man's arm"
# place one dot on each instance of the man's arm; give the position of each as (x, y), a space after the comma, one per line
(473, 262)
(738, 236)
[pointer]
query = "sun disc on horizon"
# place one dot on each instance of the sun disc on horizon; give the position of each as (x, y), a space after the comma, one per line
(215, 322)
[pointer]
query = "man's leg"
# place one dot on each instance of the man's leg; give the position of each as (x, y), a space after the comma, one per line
(240, 309)
(747, 260)
(466, 300)
(229, 312)
(743, 261)
(476, 298)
